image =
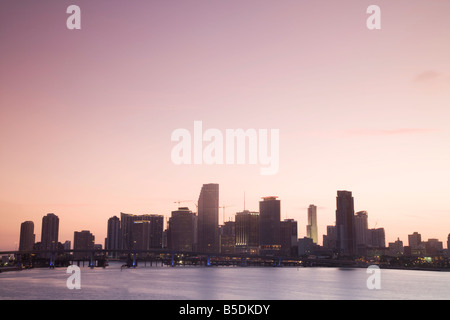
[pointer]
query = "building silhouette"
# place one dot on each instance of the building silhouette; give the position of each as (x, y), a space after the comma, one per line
(112, 241)
(152, 231)
(414, 240)
(396, 248)
(181, 231)
(306, 246)
(83, 240)
(415, 245)
(361, 228)
(448, 245)
(269, 225)
(311, 227)
(289, 237)
(345, 239)
(247, 232)
(27, 237)
(377, 238)
(329, 240)
(434, 247)
(140, 235)
(227, 237)
(67, 245)
(208, 218)
(49, 234)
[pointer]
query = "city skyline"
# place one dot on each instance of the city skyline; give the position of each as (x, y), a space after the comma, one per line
(87, 115)
(348, 241)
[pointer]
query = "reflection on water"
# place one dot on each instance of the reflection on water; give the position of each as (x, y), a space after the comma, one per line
(223, 283)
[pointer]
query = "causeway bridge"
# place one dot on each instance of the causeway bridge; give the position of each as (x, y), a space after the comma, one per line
(163, 257)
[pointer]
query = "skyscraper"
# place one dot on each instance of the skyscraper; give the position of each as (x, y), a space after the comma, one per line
(377, 238)
(181, 228)
(448, 245)
(113, 236)
(83, 240)
(156, 230)
(289, 237)
(247, 232)
(361, 229)
(345, 240)
(155, 234)
(208, 218)
(140, 235)
(269, 225)
(27, 236)
(311, 227)
(227, 237)
(50, 231)
(329, 240)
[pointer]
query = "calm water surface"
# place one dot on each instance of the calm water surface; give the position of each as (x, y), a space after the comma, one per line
(200, 283)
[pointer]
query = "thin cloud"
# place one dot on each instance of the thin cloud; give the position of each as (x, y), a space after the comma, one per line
(390, 132)
(427, 76)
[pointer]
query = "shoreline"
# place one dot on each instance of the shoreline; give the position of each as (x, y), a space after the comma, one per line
(382, 267)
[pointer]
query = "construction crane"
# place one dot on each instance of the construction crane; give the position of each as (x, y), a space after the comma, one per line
(223, 207)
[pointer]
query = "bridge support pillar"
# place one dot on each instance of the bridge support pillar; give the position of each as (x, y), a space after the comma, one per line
(52, 260)
(92, 261)
(277, 262)
(134, 260)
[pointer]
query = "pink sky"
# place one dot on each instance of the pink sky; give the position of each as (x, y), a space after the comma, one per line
(87, 115)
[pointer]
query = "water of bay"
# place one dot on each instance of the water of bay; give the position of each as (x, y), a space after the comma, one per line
(224, 283)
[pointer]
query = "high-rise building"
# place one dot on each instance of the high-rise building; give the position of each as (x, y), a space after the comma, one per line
(247, 232)
(113, 236)
(329, 240)
(208, 218)
(27, 236)
(345, 240)
(311, 227)
(377, 238)
(289, 237)
(269, 225)
(448, 245)
(361, 229)
(156, 230)
(155, 233)
(140, 235)
(181, 229)
(227, 237)
(84, 241)
(49, 234)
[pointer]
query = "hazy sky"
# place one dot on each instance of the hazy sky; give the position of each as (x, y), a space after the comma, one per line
(86, 115)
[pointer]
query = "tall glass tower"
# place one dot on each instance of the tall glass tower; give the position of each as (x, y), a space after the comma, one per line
(50, 230)
(269, 225)
(345, 238)
(311, 228)
(208, 218)
(26, 236)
